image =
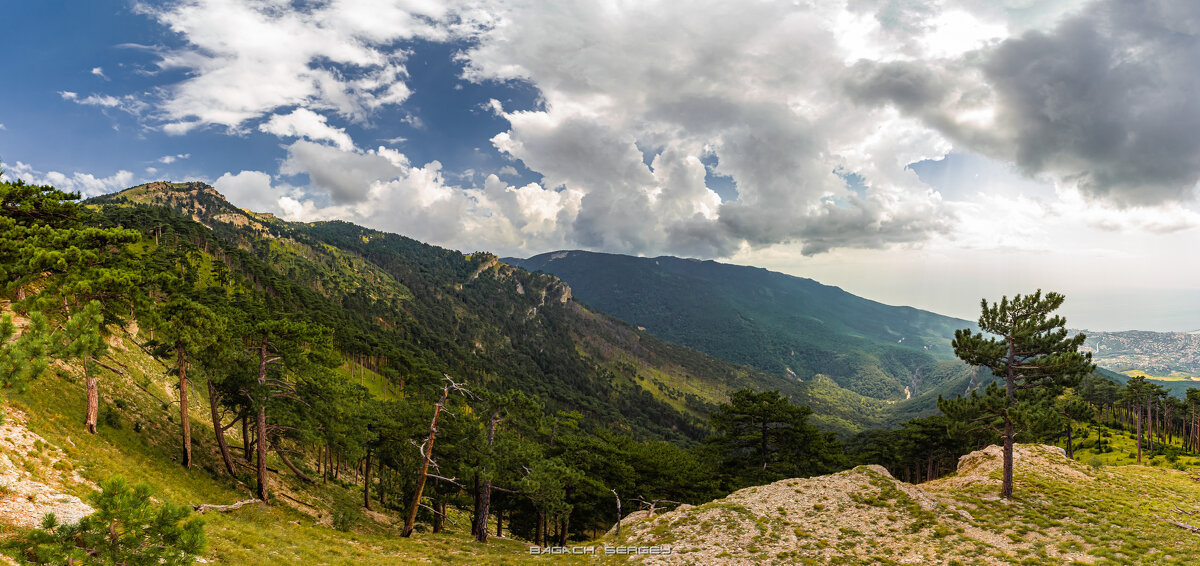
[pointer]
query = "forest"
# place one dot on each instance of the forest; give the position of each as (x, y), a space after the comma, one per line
(434, 384)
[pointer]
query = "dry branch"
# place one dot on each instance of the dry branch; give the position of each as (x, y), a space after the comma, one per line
(1180, 525)
(224, 508)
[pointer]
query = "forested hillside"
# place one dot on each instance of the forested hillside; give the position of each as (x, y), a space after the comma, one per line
(788, 326)
(412, 311)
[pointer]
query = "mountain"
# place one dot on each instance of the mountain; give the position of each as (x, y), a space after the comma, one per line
(788, 326)
(412, 311)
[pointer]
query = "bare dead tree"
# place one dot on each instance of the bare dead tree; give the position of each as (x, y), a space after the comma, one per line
(426, 449)
(614, 492)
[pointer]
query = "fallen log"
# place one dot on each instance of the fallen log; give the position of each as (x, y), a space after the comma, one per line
(1180, 525)
(224, 508)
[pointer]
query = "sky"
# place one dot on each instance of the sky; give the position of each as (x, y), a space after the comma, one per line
(918, 152)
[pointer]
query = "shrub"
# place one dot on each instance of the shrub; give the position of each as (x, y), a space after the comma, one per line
(345, 515)
(150, 534)
(110, 417)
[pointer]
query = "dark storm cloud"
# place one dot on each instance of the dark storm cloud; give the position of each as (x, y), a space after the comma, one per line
(1107, 99)
(912, 86)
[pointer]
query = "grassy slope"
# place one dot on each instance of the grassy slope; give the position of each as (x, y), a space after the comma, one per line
(276, 534)
(1062, 513)
(1174, 376)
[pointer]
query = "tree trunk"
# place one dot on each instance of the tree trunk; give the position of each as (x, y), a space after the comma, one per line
(246, 437)
(1070, 447)
(184, 422)
(1149, 425)
(500, 523)
(416, 502)
(260, 425)
(367, 481)
(1006, 486)
(485, 490)
(214, 404)
(475, 509)
(288, 462)
(764, 443)
(438, 516)
(566, 524)
(93, 400)
(383, 481)
(1139, 435)
(539, 537)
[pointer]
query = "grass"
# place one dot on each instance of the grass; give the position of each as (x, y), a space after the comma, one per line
(1120, 449)
(375, 383)
(275, 534)
(1174, 376)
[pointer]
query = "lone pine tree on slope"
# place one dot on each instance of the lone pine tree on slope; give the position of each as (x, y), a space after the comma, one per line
(1033, 355)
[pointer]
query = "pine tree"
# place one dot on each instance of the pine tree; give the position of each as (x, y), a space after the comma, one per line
(184, 329)
(1137, 395)
(54, 259)
(1071, 407)
(763, 437)
(22, 359)
(1033, 355)
(82, 341)
(284, 349)
(126, 528)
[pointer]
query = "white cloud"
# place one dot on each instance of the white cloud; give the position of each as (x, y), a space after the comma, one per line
(380, 188)
(786, 100)
(127, 103)
(753, 85)
(307, 124)
(248, 58)
(252, 190)
(85, 184)
(169, 159)
(99, 72)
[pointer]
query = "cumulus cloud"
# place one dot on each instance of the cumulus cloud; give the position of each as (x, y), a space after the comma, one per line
(307, 124)
(1104, 101)
(85, 184)
(248, 58)
(169, 159)
(380, 188)
(749, 85)
(344, 176)
(813, 111)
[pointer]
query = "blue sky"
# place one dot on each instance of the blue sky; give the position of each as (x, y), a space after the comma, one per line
(922, 152)
(108, 48)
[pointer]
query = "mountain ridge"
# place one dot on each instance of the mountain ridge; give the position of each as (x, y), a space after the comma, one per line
(792, 327)
(422, 310)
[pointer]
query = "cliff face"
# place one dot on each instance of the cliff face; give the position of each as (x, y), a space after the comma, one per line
(1063, 512)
